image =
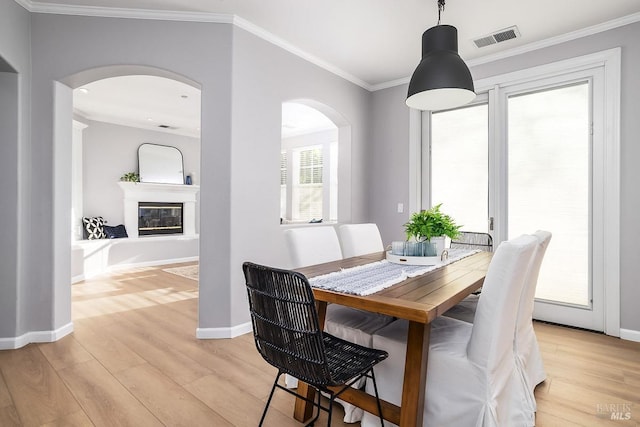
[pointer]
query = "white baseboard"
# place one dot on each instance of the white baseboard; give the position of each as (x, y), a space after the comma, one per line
(35, 336)
(630, 335)
(220, 333)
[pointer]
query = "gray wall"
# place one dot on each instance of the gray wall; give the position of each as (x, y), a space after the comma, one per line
(390, 103)
(14, 163)
(109, 151)
(389, 171)
(263, 77)
(69, 49)
(240, 158)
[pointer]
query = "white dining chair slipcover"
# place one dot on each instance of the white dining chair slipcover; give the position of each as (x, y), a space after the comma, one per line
(360, 239)
(312, 245)
(472, 379)
(316, 245)
(527, 351)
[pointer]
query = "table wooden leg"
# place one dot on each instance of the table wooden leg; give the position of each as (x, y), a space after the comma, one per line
(303, 409)
(415, 374)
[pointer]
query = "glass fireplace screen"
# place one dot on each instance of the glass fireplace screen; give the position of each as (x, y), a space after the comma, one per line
(159, 218)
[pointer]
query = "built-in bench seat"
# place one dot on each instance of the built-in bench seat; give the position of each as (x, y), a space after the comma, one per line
(90, 258)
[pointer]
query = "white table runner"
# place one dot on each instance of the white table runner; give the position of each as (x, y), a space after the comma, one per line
(371, 278)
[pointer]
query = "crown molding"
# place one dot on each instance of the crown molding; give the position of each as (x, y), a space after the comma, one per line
(26, 4)
(391, 83)
(272, 38)
(116, 12)
(168, 15)
(552, 41)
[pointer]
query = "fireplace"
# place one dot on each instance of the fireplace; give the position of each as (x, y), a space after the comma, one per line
(159, 218)
(139, 193)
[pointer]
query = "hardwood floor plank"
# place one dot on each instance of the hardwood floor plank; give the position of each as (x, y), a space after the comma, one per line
(5, 397)
(172, 404)
(164, 356)
(106, 402)
(9, 417)
(113, 354)
(30, 378)
(632, 378)
(66, 352)
(234, 404)
(584, 403)
(77, 419)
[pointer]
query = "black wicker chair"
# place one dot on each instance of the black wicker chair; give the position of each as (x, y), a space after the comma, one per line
(473, 240)
(287, 335)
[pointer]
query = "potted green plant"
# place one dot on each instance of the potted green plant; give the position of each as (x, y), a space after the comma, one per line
(130, 177)
(434, 227)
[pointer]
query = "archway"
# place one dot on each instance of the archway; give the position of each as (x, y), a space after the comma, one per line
(322, 127)
(63, 165)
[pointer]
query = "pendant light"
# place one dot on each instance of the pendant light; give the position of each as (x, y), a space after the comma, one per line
(442, 80)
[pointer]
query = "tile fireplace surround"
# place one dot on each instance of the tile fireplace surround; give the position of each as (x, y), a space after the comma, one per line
(135, 192)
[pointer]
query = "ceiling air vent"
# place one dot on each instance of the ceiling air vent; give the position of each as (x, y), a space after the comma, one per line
(497, 37)
(167, 127)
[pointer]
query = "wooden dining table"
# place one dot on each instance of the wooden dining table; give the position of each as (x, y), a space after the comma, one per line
(417, 299)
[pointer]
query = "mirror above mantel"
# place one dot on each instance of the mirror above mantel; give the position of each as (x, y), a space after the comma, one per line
(160, 164)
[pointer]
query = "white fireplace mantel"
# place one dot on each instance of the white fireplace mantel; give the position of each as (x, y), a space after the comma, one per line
(135, 192)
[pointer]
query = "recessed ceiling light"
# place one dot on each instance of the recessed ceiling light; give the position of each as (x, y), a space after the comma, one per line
(84, 90)
(149, 119)
(184, 96)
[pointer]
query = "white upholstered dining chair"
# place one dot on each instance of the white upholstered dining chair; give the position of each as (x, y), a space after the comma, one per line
(360, 239)
(316, 245)
(526, 347)
(472, 378)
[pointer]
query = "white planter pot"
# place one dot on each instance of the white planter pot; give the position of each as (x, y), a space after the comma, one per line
(441, 243)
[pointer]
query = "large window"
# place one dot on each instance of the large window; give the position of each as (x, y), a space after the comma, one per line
(537, 150)
(308, 166)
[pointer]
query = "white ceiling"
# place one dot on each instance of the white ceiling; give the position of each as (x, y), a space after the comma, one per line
(145, 102)
(374, 42)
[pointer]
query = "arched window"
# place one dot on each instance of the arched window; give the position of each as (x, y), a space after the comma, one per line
(308, 166)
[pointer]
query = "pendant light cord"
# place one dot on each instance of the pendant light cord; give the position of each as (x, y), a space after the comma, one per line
(440, 9)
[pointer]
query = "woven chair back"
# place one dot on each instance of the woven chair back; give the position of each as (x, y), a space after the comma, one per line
(473, 240)
(285, 322)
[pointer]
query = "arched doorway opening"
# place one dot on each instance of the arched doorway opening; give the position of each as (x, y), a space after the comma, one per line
(99, 155)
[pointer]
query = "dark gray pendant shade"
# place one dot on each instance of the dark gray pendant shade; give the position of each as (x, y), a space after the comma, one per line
(442, 80)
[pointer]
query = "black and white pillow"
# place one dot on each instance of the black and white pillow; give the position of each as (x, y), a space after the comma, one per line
(94, 228)
(117, 232)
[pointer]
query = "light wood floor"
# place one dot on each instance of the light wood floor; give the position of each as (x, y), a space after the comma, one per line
(133, 360)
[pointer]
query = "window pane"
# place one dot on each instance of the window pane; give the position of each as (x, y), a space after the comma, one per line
(549, 184)
(311, 166)
(308, 202)
(459, 165)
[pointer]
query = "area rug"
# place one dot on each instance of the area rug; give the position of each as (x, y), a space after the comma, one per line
(188, 271)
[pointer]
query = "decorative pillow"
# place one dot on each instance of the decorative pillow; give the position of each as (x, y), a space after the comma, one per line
(94, 228)
(117, 232)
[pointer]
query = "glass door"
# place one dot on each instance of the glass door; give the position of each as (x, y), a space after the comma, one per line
(459, 174)
(521, 159)
(549, 186)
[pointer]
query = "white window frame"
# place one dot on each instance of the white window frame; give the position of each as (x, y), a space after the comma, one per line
(330, 148)
(610, 61)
